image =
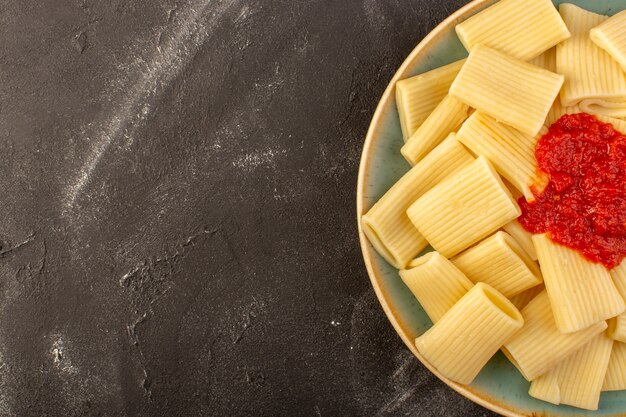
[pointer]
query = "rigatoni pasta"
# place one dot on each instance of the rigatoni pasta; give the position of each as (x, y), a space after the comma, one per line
(464, 208)
(509, 90)
(417, 97)
(523, 237)
(590, 72)
(506, 103)
(470, 333)
(510, 151)
(521, 300)
(436, 283)
(615, 378)
(387, 225)
(500, 262)
(540, 345)
(610, 35)
(617, 328)
(520, 28)
(581, 292)
(578, 379)
(446, 117)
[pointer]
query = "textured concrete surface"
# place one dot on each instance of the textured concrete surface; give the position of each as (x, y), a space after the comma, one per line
(177, 194)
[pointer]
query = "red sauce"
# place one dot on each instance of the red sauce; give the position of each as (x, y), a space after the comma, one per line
(583, 205)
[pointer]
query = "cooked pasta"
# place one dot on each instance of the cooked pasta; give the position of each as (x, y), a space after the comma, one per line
(610, 35)
(436, 283)
(470, 333)
(540, 345)
(546, 60)
(509, 90)
(500, 262)
(521, 300)
(604, 107)
(477, 135)
(417, 97)
(521, 28)
(446, 117)
(581, 292)
(615, 379)
(464, 208)
(510, 151)
(590, 72)
(557, 110)
(578, 379)
(617, 328)
(523, 237)
(387, 225)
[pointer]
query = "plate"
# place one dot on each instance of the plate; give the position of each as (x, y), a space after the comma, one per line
(499, 386)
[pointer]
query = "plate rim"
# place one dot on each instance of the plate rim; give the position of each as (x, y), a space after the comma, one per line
(367, 250)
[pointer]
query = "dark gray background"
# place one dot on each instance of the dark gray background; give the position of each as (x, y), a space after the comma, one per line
(177, 187)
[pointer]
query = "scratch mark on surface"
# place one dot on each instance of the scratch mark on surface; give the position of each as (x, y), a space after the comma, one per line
(29, 239)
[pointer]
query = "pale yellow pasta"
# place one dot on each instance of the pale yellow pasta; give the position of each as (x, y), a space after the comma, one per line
(500, 262)
(511, 91)
(464, 208)
(387, 225)
(617, 328)
(510, 151)
(446, 117)
(610, 35)
(581, 292)
(546, 60)
(436, 283)
(604, 107)
(590, 72)
(579, 378)
(522, 236)
(417, 97)
(615, 379)
(546, 387)
(539, 345)
(521, 28)
(470, 333)
(619, 278)
(557, 110)
(521, 300)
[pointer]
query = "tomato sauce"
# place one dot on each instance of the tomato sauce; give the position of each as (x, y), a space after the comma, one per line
(583, 205)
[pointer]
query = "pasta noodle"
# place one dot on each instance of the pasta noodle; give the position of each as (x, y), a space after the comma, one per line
(579, 378)
(590, 72)
(557, 110)
(446, 117)
(581, 292)
(610, 35)
(436, 283)
(470, 333)
(523, 237)
(387, 225)
(617, 328)
(464, 208)
(604, 107)
(417, 97)
(539, 345)
(510, 151)
(509, 90)
(521, 300)
(521, 28)
(547, 60)
(500, 262)
(615, 379)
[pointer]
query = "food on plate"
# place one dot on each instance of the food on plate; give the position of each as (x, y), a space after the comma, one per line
(518, 183)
